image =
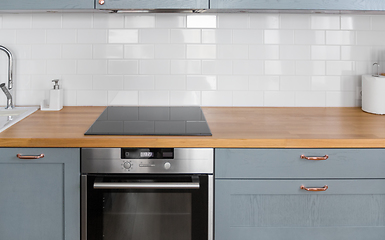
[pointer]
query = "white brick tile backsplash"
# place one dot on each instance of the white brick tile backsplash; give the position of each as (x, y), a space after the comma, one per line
(211, 59)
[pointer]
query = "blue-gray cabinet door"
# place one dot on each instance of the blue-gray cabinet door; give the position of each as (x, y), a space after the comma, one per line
(40, 198)
(280, 209)
(299, 4)
(152, 4)
(45, 5)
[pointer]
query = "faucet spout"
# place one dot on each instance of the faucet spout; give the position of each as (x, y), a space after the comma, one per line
(8, 95)
(10, 66)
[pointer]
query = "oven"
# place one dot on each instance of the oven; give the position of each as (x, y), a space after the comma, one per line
(147, 193)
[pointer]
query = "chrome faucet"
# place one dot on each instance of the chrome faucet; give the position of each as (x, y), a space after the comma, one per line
(10, 80)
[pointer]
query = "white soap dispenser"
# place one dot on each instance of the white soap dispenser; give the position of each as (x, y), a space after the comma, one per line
(55, 98)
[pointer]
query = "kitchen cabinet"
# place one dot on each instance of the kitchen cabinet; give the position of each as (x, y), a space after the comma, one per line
(151, 4)
(46, 5)
(40, 198)
(299, 4)
(258, 194)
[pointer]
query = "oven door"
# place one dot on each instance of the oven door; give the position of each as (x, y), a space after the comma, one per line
(145, 207)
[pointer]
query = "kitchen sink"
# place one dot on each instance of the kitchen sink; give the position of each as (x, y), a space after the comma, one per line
(9, 117)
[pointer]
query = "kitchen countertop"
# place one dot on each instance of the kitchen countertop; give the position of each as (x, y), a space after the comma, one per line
(231, 128)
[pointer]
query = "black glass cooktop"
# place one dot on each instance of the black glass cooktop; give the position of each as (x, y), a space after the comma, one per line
(188, 121)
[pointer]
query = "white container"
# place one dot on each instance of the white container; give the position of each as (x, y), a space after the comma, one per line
(373, 94)
(55, 98)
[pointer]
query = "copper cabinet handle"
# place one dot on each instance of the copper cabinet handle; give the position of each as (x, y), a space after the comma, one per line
(29, 156)
(101, 2)
(315, 158)
(324, 188)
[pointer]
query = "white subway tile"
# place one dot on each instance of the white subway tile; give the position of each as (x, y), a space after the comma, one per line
(139, 82)
(325, 83)
(123, 36)
(23, 82)
(370, 38)
(29, 97)
(263, 52)
(295, 21)
(325, 52)
(123, 98)
(340, 68)
(107, 82)
(47, 20)
(186, 67)
(377, 23)
(154, 98)
(91, 98)
(154, 67)
(233, 83)
(78, 51)
(18, 21)
(170, 51)
(264, 21)
(61, 66)
(201, 51)
(341, 99)
(29, 36)
(92, 36)
(20, 51)
(350, 83)
(340, 37)
(220, 67)
(309, 37)
(359, 53)
(76, 20)
(279, 37)
(170, 82)
(108, 21)
(43, 82)
(7, 36)
(233, 21)
(294, 52)
(310, 68)
(1, 21)
(201, 21)
(216, 98)
(295, 83)
(140, 21)
(122, 67)
(61, 36)
(46, 51)
(220, 36)
(107, 51)
(76, 82)
(310, 99)
(248, 67)
(185, 35)
(248, 98)
(69, 98)
(279, 99)
(355, 22)
(201, 83)
(170, 21)
(325, 22)
(154, 35)
(185, 98)
(247, 36)
(270, 83)
(92, 66)
(279, 67)
(139, 51)
(32, 66)
(232, 51)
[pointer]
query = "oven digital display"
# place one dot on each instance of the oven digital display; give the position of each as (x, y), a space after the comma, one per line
(147, 153)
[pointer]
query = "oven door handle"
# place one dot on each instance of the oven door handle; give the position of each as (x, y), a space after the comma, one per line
(153, 185)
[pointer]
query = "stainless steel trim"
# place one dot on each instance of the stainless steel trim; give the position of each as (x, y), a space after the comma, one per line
(153, 185)
(211, 207)
(84, 207)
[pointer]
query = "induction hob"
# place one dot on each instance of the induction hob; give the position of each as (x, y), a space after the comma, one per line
(180, 121)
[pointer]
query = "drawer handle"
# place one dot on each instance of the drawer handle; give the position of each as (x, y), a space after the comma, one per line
(29, 156)
(324, 188)
(315, 158)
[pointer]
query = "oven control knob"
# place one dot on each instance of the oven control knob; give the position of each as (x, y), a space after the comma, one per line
(167, 165)
(127, 165)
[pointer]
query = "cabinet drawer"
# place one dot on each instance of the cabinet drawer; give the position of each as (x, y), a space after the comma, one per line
(287, 163)
(279, 209)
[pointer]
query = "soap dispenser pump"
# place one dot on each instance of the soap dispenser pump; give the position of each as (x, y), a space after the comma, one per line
(55, 98)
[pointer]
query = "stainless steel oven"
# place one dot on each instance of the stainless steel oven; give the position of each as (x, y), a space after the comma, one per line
(147, 193)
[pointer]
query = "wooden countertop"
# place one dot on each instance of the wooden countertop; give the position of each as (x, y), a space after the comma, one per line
(231, 128)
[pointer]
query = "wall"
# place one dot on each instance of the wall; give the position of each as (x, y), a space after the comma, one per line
(192, 59)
